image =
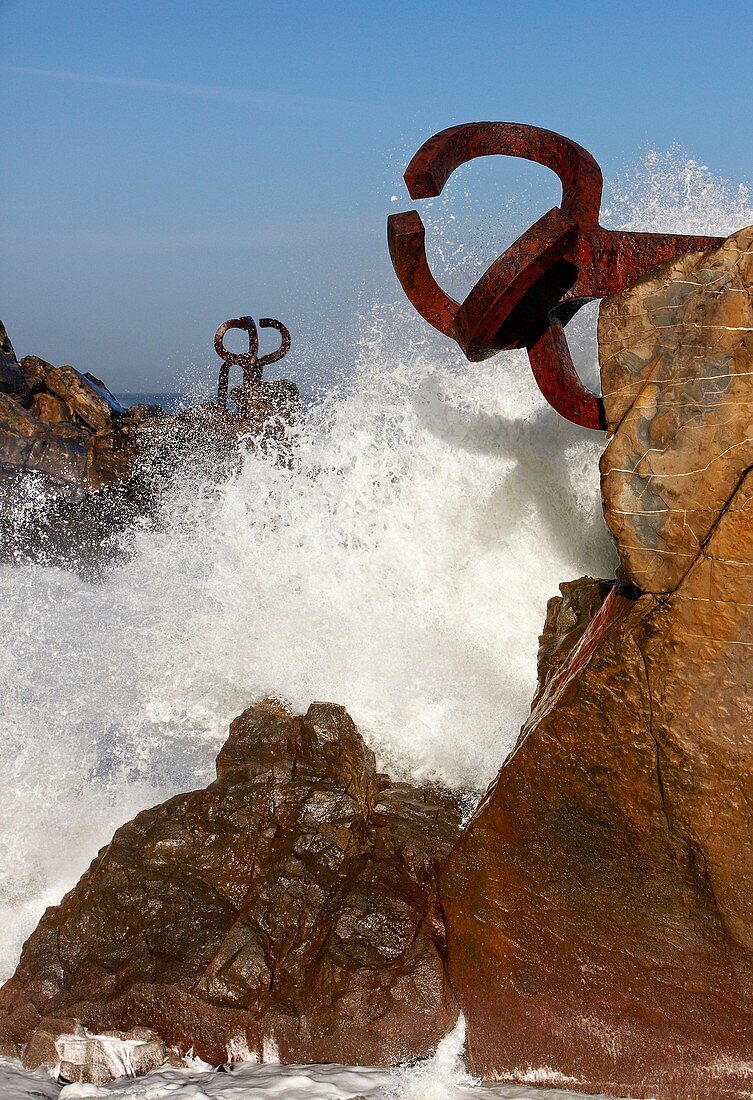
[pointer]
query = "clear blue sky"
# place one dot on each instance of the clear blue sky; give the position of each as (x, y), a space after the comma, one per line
(172, 163)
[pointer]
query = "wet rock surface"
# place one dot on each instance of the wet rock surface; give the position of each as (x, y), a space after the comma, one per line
(598, 905)
(287, 911)
(75, 1055)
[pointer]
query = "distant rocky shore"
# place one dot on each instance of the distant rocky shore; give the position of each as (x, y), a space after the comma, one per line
(64, 426)
(76, 467)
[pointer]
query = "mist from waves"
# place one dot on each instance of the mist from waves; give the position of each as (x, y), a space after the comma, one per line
(400, 568)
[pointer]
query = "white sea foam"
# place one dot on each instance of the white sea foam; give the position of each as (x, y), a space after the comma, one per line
(401, 568)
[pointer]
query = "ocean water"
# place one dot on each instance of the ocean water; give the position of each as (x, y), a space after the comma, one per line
(401, 567)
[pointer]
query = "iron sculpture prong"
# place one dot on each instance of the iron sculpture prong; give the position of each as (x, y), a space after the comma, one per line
(530, 292)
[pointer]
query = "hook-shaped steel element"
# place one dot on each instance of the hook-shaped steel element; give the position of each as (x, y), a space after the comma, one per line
(284, 348)
(252, 365)
(534, 288)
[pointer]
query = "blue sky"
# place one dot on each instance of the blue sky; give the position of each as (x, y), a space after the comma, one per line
(171, 164)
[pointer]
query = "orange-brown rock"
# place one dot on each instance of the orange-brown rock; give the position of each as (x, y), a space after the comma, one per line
(599, 906)
(676, 351)
(287, 911)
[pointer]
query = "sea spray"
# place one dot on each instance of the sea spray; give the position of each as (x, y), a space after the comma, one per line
(401, 567)
(442, 1077)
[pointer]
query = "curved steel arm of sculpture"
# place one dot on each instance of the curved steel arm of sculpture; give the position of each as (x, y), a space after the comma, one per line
(406, 239)
(284, 348)
(579, 174)
(563, 261)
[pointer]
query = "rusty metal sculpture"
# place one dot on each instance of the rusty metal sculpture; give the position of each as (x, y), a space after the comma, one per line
(251, 364)
(532, 290)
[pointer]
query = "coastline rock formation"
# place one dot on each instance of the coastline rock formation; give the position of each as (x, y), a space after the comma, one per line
(599, 906)
(65, 426)
(76, 468)
(68, 428)
(287, 911)
(676, 354)
(594, 920)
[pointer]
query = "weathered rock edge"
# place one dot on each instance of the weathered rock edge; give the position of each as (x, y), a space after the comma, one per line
(287, 911)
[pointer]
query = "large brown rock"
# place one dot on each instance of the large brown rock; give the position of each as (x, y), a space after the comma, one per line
(599, 906)
(676, 351)
(286, 911)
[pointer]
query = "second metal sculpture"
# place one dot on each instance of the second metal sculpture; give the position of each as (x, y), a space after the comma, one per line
(250, 362)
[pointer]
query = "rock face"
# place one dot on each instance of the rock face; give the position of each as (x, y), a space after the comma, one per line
(599, 907)
(64, 426)
(676, 353)
(77, 1055)
(288, 911)
(12, 380)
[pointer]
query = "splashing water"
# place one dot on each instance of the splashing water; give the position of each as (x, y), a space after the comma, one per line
(400, 568)
(442, 1077)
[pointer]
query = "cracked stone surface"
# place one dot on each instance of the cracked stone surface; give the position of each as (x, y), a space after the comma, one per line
(676, 355)
(287, 911)
(599, 905)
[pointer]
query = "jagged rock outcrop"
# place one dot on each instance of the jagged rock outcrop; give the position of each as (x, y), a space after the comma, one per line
(287, 911)
(12, 380)
(599, 906)
(63, 426)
